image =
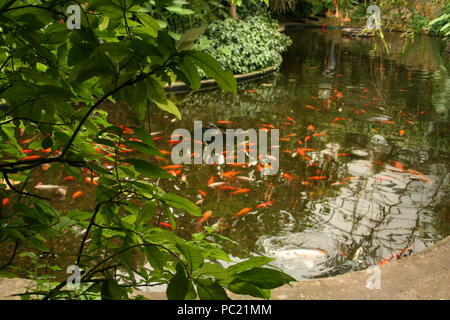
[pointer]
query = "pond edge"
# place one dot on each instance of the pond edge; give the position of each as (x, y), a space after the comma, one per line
(207, 84)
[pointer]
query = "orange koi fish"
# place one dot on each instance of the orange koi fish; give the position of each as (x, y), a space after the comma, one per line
(5, 202)
(203, 193)
(241, 191)
(287, 176)
(173, 166)
(174, 172)
(173, 142)
(31, 158)
(69, 178)
(397, 255)
(224, 122)
(265, 204)
(399, 166)
(302, 151)
(165, 224)
(421, 176)
(242, 212)
(25, 141)
(339, 119)
(205, 216)
(225, 187)
(243, 165)
(230, 174)
(311, 107)
(383, 178)
(77, 194)
(318, 178)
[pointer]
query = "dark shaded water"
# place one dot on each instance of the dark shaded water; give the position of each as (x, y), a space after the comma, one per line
(378, 130)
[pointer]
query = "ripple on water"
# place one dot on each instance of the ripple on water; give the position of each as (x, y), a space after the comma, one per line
(302, 255)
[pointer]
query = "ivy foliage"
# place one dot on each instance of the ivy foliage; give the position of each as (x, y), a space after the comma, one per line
(54, 82)
(246, 45)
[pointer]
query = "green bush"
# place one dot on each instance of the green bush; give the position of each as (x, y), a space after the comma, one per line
(441, 25)
(244, 46)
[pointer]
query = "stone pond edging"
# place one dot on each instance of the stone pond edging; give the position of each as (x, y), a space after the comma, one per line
(421, 276)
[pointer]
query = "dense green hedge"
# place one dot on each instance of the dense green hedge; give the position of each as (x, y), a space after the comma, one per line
(245, 45)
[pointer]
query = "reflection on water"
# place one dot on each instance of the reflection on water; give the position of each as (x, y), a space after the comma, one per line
(364, 162)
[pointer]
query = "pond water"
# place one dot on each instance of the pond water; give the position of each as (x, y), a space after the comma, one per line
(364, 157)
(378, 127)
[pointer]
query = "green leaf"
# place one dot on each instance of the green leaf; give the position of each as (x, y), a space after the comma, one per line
(38, 244)
(143, 147)
(116, 49)
(79, 52)
(145, 213)
(179, 10)
(189, 74)
(181, 203)
(193, 256)
(242, 287)
(188, 38)
(110, 290)
(156, 257)
(212, 68)
(213, 269)
(210, 290)
(170, 107)
(155, 90)
(248, 264)
(151, 26)
(264, 278)
(147, 169)
(178, 285)
(47, 143)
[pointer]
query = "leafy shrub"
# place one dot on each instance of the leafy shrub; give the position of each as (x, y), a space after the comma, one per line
(245, 45)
